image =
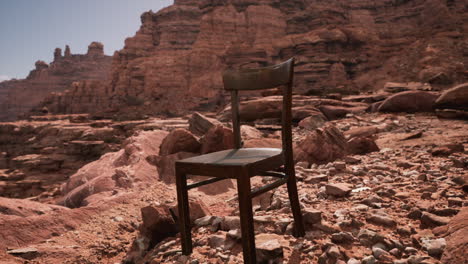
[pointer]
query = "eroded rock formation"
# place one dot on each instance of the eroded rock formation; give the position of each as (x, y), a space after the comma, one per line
(174, 61)
(18, 97)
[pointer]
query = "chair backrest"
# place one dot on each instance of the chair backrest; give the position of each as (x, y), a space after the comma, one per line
(258, 79)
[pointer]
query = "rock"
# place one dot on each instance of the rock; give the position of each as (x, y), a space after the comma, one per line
(456, 238)
(157, 224)
(447, 149)
(25, 208)
(268, 248)
(368, 260)
(434, 247)
(342, 237)
(200, 124)
(338, 189)
(336, 112)
(216, 139)
(431, 220)
(249, 132)
(381, 220)
(100, 176)
(179, 140)
(44, 80)
(198, 209)
(410, 102)
(362, 145)
(378, 252)
(454, 98)
(312, 122)
(321, 146)
(166, 165)
(216, 241)
(311, 216)
(230, 223)
(393, 87)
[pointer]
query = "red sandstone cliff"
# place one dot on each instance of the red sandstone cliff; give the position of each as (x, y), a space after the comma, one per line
(18, 97)
(174, 62)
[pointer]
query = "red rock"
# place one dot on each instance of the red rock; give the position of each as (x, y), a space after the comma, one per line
(447, 149)
(410, 101)
(338, 189)
(179, 140)
(362, 145)
(321, 146)
(216, 139)
(200, 124)
(166, 165)
(25, 208)
(454, 98)
(457, 240)
(337, 112)
(105, 174)
(57, 77)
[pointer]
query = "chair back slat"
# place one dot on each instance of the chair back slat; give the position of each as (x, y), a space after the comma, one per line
(260, 78)
(235, 119)
(263, 78)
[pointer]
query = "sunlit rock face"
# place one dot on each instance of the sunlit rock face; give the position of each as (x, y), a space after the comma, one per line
(175, 60)
(18, 97)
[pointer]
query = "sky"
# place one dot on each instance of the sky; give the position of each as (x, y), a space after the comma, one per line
(30, 30)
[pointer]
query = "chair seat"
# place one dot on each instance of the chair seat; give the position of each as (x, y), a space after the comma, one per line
(234, 157)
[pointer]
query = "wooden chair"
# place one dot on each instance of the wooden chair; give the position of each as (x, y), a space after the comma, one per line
(243, 163)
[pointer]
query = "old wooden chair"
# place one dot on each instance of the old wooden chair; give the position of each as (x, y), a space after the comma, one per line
(243, 163)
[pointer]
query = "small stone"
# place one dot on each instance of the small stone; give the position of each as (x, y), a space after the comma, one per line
(410, 250)
(216, 241)
(455, 201)
(353, 261)
(368, 260)
(434, 247)
(395, 252)
(342, 237)
(316, 178)
(268, 248)
(333, 252)
(338, 189)
(21, 251)
(230, 222)
(312, 216)
(431, 220)
(378, 252)
(381, 220)
(415, 213)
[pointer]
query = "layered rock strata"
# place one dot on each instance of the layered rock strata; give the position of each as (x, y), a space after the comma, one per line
(19, 97)
(175, 60)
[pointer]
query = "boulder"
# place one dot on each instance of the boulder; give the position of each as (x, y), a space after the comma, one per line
(454, 98)
(456, 238)
(313, 122)
(200, 124)
(323, 145)
(166, 165)
(410, 102)
(179, 140)
(122, 169)
(216, 139)
(362, 145)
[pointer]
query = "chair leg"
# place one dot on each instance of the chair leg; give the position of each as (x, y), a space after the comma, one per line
(184, 214)
(294, 201)
(246, 219)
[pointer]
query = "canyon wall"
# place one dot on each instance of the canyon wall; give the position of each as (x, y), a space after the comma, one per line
(18, 97)
(175, 60)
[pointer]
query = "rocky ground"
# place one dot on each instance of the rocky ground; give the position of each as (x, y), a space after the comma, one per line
(375, 186)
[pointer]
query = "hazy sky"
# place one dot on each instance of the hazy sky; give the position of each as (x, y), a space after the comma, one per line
(31, 29)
